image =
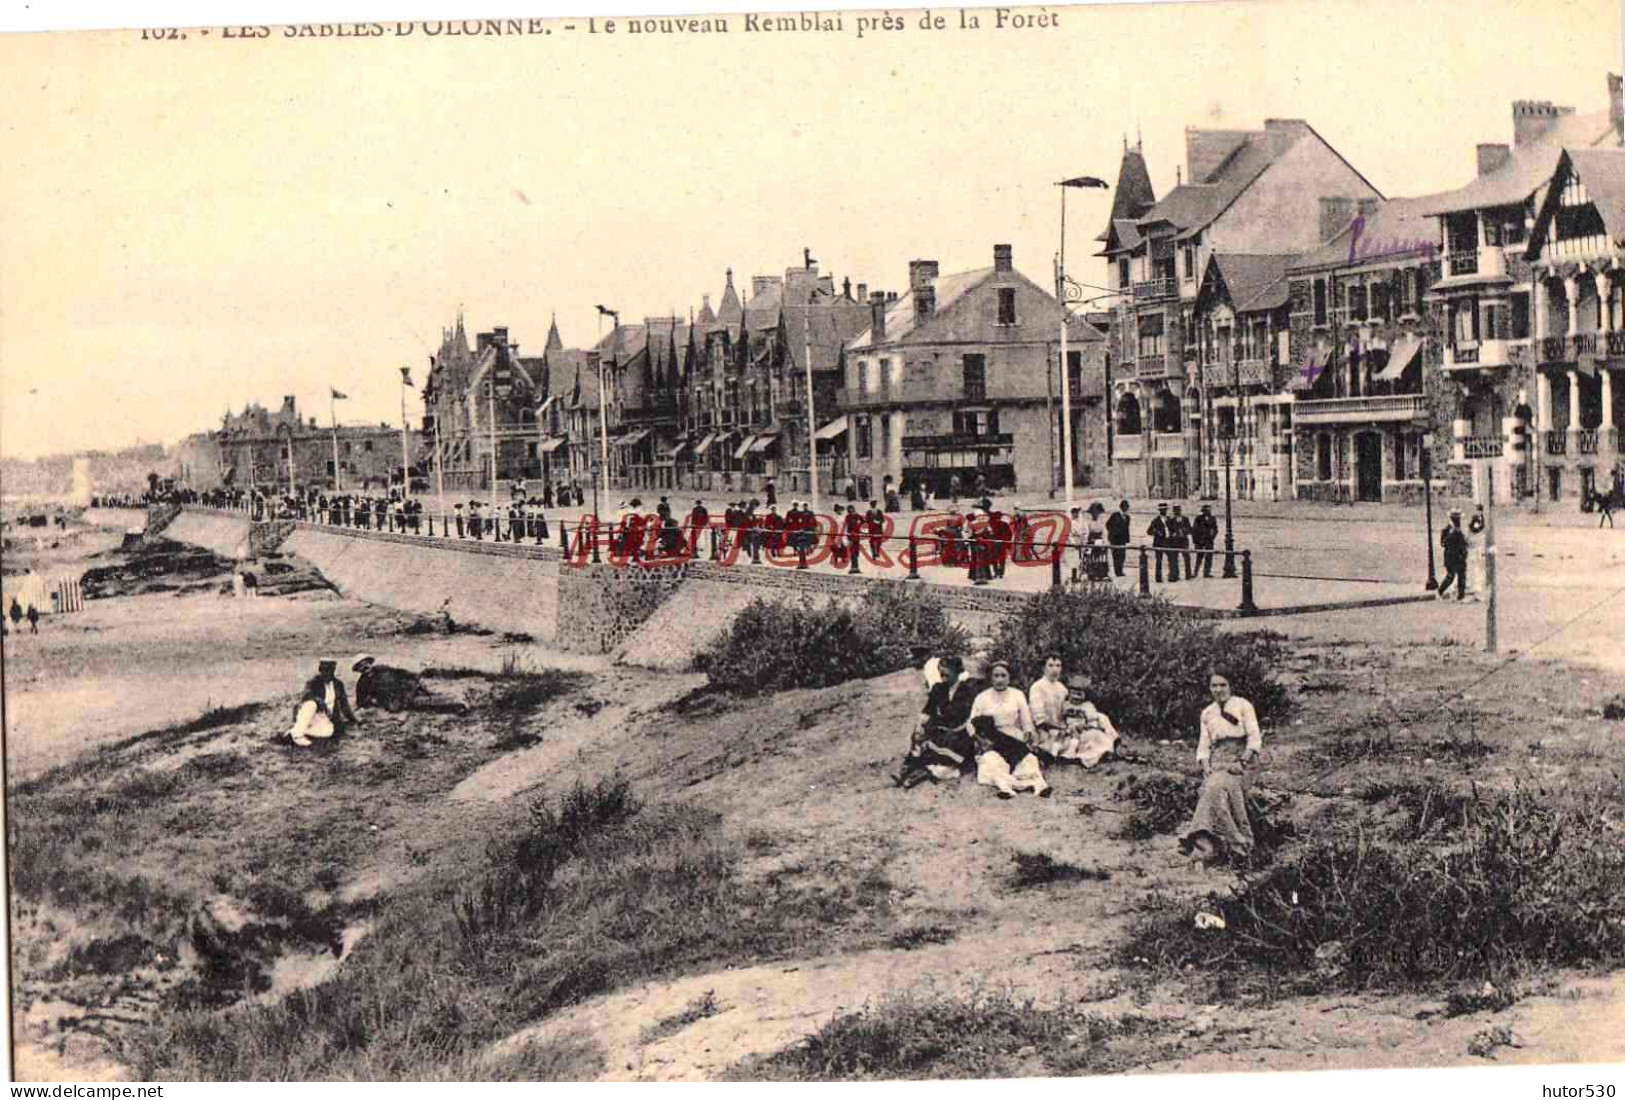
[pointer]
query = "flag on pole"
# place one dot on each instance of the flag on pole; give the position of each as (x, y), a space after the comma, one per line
(406, 377)
(337, 396)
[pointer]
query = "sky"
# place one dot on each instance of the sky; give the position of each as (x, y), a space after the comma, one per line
(187, 226)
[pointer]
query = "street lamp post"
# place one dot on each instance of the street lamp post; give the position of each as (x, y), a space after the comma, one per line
(1061, 297)
(1227, 443)
(1427, 497)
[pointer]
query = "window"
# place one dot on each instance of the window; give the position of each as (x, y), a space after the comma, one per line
(863, 376)
(1190, 262)
(1074, 372)
(1151, 335)
(1323, 456)
(970, 422)
(330, 467)
(1122, 274)
(862, 438)
(349, 448)
(1320, 301)
(367, 446)
(1520, 316)
(1007, 305)
(975, 377)
(1357, 304)
(1380, 302)
(1128, 415)
(885, 435)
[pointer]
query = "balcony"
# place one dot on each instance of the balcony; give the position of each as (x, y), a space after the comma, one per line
(1473, 355)
(1587, 438)
(1557, 443)
(958, 441)
(1130, 447)
(1151, 290)
(1582, 343)
(1616, 345)
(1158, 366)
(1361, 410)
(1254, 372)
(1169, 445)
(1482, 446)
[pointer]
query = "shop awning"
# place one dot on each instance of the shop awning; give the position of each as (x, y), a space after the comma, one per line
(763, 442)
(1399, 357)
(550, 445)
(744, 446)
(679, 450)
(545, 405)
(632, 438)
(705, 444)
(833, 430)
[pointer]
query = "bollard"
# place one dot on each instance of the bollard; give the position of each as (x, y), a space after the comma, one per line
(1248, 607)
(801, 554)
(713, 544)
(431, 525)
(596, 560)
(755, 548)
(1055, 569)
(1145, 573)
(564, 537)
(913, 560)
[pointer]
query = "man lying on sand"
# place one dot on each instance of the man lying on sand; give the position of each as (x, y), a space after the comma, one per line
(396, 689)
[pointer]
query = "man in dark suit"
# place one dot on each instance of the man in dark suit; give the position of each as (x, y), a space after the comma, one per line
(1204, 534)
(1117, 536)
(1179, 538)
(1454, 541)
(1159, 541)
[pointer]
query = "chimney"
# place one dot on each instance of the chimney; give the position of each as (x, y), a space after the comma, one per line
(313, 423)
(826, 283)
(1280, 133)
(499, 336)
(891, 295)
(846, 289)
(1491, 156)
(761, 284)
(1335, 213)
(1531, 118)
(920, 273)
(482, 341)
(925, 302)
(1616, 106)
(863, 292)
(1002, 258)
(877, 318)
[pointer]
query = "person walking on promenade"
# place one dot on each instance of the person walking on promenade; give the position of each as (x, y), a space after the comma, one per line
(1117, 536)
(33, 619)
(855, 527)
(771, 491)
(916, 495)
(1604, 503)
(16, 614)
(1094, 565)
(1204, 534)
(457, 515)
(698, 520)
(875, 520)
(1180, 539)
(476, 522)
(1454, 541)
(1159, 543)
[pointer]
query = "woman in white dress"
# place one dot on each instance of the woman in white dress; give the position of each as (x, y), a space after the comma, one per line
(1228, 751)
(1006, 708)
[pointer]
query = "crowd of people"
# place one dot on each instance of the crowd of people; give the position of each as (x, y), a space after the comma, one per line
(976, 722)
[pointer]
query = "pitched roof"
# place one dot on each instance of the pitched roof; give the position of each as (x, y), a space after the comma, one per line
(706, 315)
(947, 322)
(1528, 167)
(762, 311)
(553, 338)
(829, 323)
(1602, 171)
(729, 312)
(1134, 195)
(1254, 281)
(1192, 206)
(1396, 232)
(1083, 330)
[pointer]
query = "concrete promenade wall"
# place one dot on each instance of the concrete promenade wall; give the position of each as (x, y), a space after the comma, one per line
(226, 535)
(514, 589)
(125, 519)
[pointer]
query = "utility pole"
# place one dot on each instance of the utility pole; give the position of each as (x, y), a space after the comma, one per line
(1490, 641)
(406, 440)
(812, 421)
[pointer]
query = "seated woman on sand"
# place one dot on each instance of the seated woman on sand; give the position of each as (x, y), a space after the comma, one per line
(1007, 708)
(1228, 752)
(1090, 736)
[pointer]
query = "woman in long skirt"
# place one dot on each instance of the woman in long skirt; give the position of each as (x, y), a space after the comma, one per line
(1228, 751)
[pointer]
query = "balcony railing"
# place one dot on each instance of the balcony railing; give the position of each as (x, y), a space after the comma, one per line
(1557, 443)
(1616, 345)
(1152, 289)
(1484, 353)
(1479, 446)
(1168, 444)
(1464, 263)
(1253, 372)
(1588, 440)
(1582, 343)
(1344, 410)
(1157, 366)
(1554, 349)
(1130, 447)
